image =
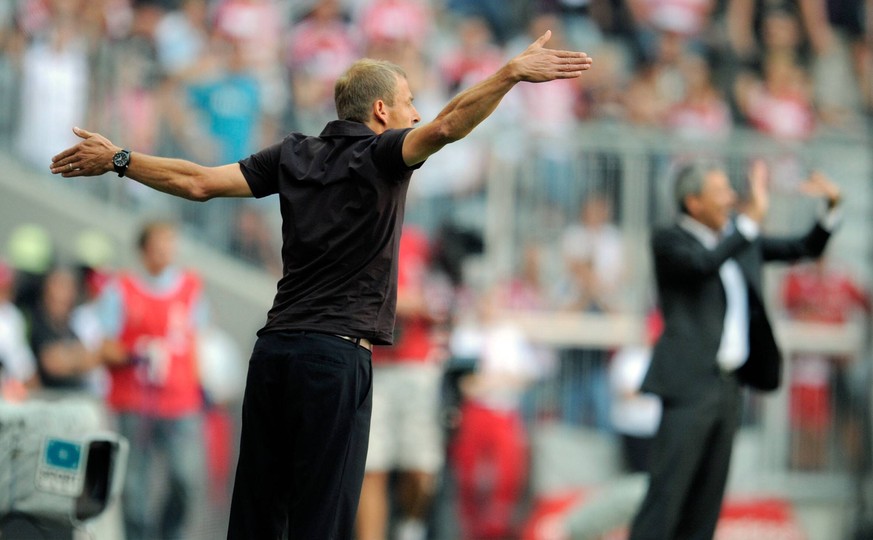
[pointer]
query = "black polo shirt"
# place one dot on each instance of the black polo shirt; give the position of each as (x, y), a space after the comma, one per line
(342, 197)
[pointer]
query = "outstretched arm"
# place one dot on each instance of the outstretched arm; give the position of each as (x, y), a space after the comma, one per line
(469, 108)
(93, 157)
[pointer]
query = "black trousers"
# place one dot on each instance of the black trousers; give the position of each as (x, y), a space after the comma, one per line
(689, 462)
(305, 429)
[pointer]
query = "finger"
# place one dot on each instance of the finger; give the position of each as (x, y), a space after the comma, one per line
(574, 67)
(543, 39)
(72, 174)
(82, 133)
(66, 166)
(63, 155)
(576, 55)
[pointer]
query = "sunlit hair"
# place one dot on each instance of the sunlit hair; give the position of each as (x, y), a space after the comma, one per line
(691, 178)
(362, 84)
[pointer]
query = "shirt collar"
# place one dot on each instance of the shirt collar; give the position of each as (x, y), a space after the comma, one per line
(703, 234)
(162, 281)
(346, 128)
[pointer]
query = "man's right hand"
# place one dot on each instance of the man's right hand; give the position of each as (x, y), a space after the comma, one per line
(91, 157)
(759, 198)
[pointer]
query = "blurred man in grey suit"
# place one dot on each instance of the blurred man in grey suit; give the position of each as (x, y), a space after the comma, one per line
(717, 337)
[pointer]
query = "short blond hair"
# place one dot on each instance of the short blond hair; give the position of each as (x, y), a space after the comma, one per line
(365, 81)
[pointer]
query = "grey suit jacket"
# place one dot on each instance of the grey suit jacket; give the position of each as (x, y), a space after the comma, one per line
(693, 302)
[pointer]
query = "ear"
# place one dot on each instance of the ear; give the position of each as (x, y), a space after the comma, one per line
(692, 205)
(380, 112)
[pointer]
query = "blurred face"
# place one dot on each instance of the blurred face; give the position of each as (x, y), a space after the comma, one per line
(159, 251)
(596, 212)
(713, 205)
(402, 114)
(59, 293)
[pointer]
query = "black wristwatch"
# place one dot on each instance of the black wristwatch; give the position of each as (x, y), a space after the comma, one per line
(120, 161)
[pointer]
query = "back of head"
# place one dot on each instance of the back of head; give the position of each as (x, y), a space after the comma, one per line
(690, 180)
(362, 84)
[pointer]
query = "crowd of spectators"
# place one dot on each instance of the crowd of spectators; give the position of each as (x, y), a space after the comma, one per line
(213, 80)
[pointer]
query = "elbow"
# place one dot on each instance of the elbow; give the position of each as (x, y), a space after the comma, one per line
(447, 132)
(198, 189)
(198, 195)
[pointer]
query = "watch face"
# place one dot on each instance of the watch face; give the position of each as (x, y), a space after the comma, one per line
(120, 159)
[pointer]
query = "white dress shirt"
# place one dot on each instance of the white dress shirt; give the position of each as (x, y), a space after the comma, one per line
(733, 351)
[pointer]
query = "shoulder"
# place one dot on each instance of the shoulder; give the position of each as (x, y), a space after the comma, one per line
(669, 233)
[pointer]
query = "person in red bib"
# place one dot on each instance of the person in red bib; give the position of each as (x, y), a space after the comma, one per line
(151, 318)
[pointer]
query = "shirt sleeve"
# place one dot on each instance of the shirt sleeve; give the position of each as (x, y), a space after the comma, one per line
(747, 227)
(16, 357)
(110, 310)
(832, 219)
(389, 153)
(261, 170)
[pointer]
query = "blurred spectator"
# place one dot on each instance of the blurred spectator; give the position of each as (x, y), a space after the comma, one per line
(474, 55)
(581, 20)
(55, 78)
(226, 101)
(779, 104)
(750, 34)
(17, 364)
(94, 252)
(321, 45)
(843, 63)
(490, 449)
(252, 239)
(406, 21)
(686, 22)
(85, 323)
(11, 42)
(822, 395)
(635, 415)
(405, 431)
(549, 120)
(593, 253)
(657, 84)
(703, 112)
(595, 237)
(181, 37)
(63, 362)
(229, 101)
(31, 253)
(455, 182)
(256, 26)
(506, 17)
(221, 366)
(525, 291)
(834, 35)
(151, 318)
(603, 96)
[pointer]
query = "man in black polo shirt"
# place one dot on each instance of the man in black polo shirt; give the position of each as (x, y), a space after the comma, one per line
(306, 410)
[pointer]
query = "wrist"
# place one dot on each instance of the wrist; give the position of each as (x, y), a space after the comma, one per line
(120, 161)
(834, 201)
(510, 72)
